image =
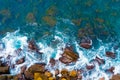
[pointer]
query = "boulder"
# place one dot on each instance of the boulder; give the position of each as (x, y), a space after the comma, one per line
(36, 68)
(68, 56)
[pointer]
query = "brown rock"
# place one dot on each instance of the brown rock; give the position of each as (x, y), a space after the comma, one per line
(15, 78)
(110, 54)
(52, 61)
(0, 63)
(64, 72)
(115, 77)
(38, 67)
(23, 69)
(4, 70)
(29, 75)
(9, 77)
(68, 56)
(32, 45)
(2, 77)
(85, 45)
(19, 76)
(20, 61)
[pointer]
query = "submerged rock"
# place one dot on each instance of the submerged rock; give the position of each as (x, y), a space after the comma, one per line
(49, 20)
(30, 17)
(68, 56)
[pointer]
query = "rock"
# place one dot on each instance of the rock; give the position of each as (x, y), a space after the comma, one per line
(56, 71)
(51, 11)
(0, 63)
(30, 17)
(2, 77)
(23, 69)
(49, 20)
(4, 70)
(64, 73)
(110, 54)
(65, 78)
(28, 75)
(9, 77)
(73, 73)
(48, 74)
(86, 43)
(32, 45)
(40, 76)
(111, 70)
(52, 61)
(15, 78)
(20, 61)
(99, 60)
(36, 68)
(68, 56)
(115, 77)
(52, 78)
(89, 67)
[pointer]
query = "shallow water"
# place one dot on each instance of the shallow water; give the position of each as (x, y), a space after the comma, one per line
(53, 24)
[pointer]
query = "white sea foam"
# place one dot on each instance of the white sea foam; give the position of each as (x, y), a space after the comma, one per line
(14, 40)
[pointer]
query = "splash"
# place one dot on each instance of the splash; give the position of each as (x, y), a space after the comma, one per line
(12, 42)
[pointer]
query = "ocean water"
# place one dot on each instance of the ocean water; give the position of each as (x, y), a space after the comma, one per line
(55, 23)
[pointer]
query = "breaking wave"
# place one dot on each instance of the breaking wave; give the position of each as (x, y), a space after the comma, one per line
(13, 41)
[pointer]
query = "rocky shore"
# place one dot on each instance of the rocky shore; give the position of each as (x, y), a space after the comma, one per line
(38, 71)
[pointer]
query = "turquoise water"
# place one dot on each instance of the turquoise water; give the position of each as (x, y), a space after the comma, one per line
(55, 23)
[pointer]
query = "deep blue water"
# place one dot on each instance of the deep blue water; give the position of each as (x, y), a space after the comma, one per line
(54, 22)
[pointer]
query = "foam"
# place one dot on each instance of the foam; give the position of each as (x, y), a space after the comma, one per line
(12, 40)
